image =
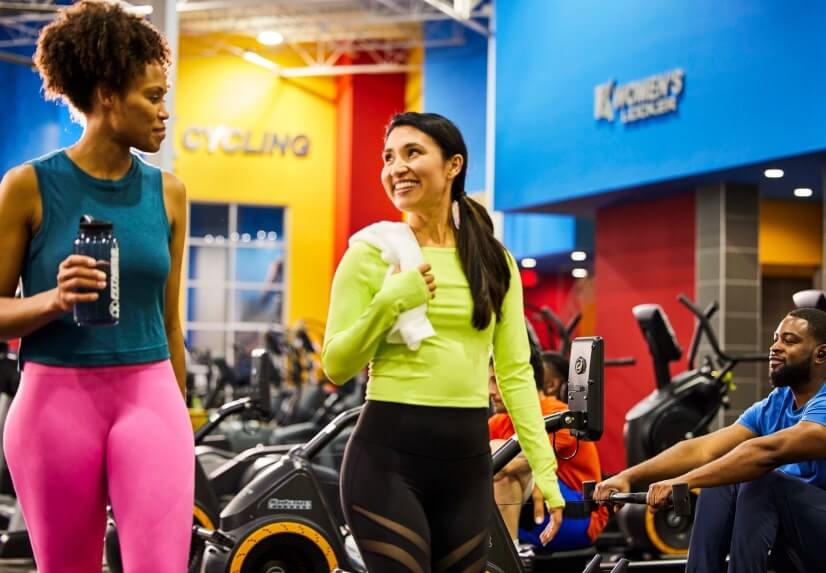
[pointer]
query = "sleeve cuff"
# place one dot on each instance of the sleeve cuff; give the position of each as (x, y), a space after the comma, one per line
(550, 490)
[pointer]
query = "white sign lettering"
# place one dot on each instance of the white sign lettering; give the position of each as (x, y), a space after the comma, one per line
(290, 504)
(641, 99)
(248, 142)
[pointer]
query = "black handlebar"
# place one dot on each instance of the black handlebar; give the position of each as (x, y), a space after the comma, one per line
(222, 414)
(572, 324)
(562, 330)
(705, 326)
(679, 497)
(553, 423)
(564, 336)
(697, 335)
(326, 435)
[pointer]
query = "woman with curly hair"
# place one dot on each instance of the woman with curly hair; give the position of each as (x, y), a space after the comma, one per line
(99, 416)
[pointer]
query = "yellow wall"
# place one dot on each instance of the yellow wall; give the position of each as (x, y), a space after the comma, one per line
(223, 89)
(414, 89)
(791, 237)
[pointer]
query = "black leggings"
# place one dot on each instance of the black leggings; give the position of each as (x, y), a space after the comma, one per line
(416, 488)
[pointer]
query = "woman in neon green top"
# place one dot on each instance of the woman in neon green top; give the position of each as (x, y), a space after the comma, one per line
(416, 480)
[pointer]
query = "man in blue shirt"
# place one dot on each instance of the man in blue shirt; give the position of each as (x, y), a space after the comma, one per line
(763, 478)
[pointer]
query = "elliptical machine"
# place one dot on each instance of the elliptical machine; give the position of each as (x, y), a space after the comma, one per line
(679, 408)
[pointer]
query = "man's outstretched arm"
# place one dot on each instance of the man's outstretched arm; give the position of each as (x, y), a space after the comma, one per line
(751, 459)
(680, 458)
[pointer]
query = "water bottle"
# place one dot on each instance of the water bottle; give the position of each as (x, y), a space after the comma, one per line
(95, 239)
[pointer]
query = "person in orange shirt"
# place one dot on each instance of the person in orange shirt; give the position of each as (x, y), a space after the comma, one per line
(513, 486)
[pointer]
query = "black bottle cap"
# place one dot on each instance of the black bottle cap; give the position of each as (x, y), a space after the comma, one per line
(89, 223)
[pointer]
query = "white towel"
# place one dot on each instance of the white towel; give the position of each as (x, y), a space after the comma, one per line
(398, 246)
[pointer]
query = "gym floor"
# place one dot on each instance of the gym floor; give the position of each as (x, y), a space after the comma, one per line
(25, 566)
(17, 566)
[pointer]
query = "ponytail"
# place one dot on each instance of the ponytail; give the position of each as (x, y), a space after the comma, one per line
(483, 260)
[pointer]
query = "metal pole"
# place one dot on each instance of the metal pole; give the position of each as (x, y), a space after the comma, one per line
(165, 18)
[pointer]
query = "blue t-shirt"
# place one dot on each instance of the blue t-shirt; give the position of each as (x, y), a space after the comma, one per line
(778, 412)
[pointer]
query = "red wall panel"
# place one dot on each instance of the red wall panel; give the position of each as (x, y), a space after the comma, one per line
(365, 105)
(645, 253)
(344, 161)
(555, 292)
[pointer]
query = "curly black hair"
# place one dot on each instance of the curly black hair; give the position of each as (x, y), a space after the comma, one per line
(95, 43)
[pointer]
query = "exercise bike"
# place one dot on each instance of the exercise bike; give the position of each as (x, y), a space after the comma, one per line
(301, 402)
(557, 330)
(563, 333)
(288, 519)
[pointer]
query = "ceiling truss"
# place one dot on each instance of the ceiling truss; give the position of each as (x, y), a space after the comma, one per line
(320, 32)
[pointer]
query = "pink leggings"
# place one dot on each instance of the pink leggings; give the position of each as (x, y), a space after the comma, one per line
(77, 437)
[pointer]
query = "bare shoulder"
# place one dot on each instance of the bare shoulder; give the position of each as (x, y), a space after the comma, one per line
(173, 187)
(20, 214)
(20, 181)
(19, 194)
(174, 196)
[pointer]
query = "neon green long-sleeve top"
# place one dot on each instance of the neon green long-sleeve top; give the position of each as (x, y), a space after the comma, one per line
(449, 369)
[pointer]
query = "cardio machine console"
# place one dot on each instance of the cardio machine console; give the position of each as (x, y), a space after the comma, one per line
(586, 385)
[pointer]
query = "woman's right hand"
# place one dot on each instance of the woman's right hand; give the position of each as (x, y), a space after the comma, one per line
(429, 280)
(77, 272)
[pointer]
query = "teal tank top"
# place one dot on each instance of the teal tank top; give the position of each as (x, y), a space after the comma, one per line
(134, 204)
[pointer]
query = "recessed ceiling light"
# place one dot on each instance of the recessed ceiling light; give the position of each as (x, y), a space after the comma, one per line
(579, 273)
(579, 255)
(528, 263)
(773, 173)
(803, 192)
(270, 38)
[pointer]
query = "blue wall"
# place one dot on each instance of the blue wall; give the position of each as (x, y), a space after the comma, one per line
(30, 126)
(754, 85)
(455, 86)
(539, 235)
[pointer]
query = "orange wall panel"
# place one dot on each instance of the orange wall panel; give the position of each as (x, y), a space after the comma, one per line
(791, 236)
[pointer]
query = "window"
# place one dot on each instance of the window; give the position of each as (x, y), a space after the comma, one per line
(235, 278)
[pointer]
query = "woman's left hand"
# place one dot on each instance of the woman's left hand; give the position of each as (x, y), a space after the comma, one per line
(539, 516)
(553, 526)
